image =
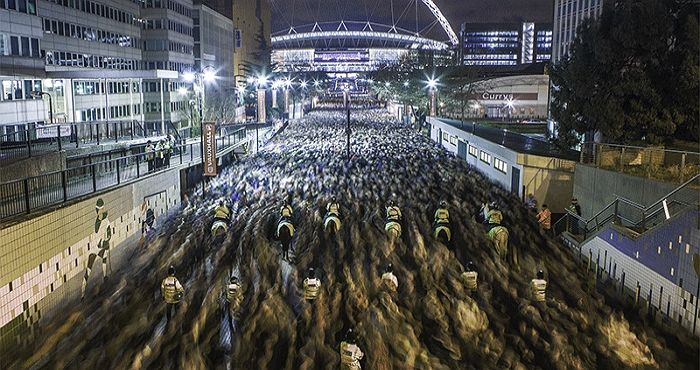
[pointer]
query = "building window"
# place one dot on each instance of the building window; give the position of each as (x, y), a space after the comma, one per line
(445, 137)
(473, 151)
(500, 165)
(485, 157)
(453, 140)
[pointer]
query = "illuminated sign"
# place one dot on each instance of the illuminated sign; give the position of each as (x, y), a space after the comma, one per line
(504, 96)
(341, 55)
(209, 148)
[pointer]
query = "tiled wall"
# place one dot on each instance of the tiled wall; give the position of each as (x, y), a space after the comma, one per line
(43, 260)
(659, 262)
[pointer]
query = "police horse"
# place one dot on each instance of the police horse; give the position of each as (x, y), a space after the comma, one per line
(442, 232)
(331, 222)
(219, 227)
(392, 229)
(499, 236)
(285, 233)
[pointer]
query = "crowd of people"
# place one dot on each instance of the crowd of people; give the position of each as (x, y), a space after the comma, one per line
(356, 298)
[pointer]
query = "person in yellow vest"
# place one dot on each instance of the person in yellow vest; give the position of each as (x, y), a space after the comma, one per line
(492, 215)
(333, 208)
(393, 213)
(159, 155)
(286, 211)
(222, 212)
(389, 279)
(544, 218)
(538, 287)
(234, 297)
(172, 292)
(442, 215)
(350, 353)
(312, 286)
(470, 276)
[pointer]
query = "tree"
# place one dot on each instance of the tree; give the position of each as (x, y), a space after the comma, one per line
(623, 72)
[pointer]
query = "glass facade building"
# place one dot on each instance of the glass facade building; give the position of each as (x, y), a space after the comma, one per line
(505, 43)
(568, 15)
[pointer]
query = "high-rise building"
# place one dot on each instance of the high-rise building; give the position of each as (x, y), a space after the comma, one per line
(252, 37)
(568, 15)
(99, 60)
(505, 43)
(214, 45)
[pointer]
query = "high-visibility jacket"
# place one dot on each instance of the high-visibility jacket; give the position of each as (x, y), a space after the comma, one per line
(234, 296)
(494, 216)
(538, 287)
(545, 219)
(333, 208)
(393, 213)
(222, 212)
(311, 288)
(389, 277)
(159, 150)
(350, 356)
(286, 211)
(471, 279)
(442, 216)
(171, 290)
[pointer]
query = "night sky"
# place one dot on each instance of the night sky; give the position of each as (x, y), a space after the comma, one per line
(286, 12)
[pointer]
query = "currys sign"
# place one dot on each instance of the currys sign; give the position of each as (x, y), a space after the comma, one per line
(496, 96)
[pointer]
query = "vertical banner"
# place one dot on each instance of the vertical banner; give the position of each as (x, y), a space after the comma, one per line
(209, 149)
(261, 106)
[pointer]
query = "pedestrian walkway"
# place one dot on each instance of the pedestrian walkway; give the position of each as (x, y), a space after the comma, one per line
(33, 193)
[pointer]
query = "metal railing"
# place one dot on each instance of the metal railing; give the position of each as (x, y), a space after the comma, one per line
(50, 189)
(632, 215)
(650, 162)
(41, 139)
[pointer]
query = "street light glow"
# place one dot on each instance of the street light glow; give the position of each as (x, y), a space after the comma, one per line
(262, 80)
(188, 76)
(288, 82)
(432, 83)
(303, 84)
(209, 75)
(405, 83)
(387, 84)
(316, 83)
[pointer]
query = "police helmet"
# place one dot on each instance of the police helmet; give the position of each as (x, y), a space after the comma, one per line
(350, 336)
(493, 204)
(312, 273)
(540, 274)
(470, 266)
(390, 203)
(234, 279)
(171, 270)
(389, 268)
(443, 203)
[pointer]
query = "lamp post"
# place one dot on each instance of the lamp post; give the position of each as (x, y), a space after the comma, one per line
(432, 88)
(261, 83)
(346, 95)
(207, 74)
(38, 94)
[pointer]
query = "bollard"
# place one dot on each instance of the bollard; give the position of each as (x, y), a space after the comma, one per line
(636, 294)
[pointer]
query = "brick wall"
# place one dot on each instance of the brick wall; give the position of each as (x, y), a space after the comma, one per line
(43, 259)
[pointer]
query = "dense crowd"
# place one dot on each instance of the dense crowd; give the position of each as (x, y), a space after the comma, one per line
(433, 318)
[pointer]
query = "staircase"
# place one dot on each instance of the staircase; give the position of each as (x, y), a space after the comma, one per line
(651, 253)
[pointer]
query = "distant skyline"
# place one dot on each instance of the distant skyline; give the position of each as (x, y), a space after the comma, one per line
(299, 12)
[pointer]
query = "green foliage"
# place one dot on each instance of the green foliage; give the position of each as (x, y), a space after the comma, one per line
(632, 75)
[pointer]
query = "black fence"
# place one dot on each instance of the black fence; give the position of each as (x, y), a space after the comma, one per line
(40, 139)
(34, 193)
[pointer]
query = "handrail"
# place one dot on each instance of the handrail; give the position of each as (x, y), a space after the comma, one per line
(640, 147)
(674, 191)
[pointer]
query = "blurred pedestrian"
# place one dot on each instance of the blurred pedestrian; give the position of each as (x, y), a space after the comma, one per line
(544, 218)
(574, 208)
(172, 292)
(531, 202)
(159, 155)
(150, 155)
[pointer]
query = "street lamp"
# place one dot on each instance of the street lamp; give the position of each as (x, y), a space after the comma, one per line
(38, 94)
(207, 74)
(261, 83)
(432, 88)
